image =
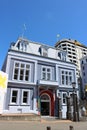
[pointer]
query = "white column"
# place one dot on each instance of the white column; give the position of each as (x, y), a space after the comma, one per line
(35, 74)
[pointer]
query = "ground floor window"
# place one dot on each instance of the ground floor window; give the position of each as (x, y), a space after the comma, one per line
(25, 97)
(14, 96)
(21, 96)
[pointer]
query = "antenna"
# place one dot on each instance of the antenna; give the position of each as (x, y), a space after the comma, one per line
(23, 30)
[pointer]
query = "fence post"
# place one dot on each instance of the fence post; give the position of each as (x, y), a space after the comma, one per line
(48, 128)
(71, 127)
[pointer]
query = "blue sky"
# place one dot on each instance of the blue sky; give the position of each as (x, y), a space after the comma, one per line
(44, 19)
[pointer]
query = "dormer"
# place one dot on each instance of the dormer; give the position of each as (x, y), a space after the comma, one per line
(44, 51)
(20, 45)
(62, 55)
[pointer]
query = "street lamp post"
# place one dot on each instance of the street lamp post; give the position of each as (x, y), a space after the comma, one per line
(68, 113)
(75, 104)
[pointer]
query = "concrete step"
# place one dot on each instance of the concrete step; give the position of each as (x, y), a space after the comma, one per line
(49, 118)
(83, 118)
(20, 117)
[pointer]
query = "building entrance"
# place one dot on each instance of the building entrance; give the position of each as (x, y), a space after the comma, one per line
(45, 105)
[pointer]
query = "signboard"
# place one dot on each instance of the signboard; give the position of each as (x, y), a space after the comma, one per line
(3, 88)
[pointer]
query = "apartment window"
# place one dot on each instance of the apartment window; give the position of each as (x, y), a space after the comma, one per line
(63, 44)
(21, 71)
(25, 97)
(14, 96)
(66, 77)
(46, 73)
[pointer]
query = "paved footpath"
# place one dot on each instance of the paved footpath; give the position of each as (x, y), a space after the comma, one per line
(34, 125)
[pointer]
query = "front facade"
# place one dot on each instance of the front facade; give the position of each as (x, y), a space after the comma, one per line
(36, 78)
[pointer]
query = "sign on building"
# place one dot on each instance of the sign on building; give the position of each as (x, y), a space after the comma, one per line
(3, 88)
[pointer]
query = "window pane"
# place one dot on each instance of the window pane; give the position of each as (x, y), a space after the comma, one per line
(62, 72)
(14, 99)
(69, 73)
(16, 64)
(27, 66)
(66, 80)
(48, 76)
(14, 96)
(70, 78)
(16, 73)
(44, 69)
(22, 65)
(44, 76)
(26, 78)
(62, 79)
(27, 75)
(14, 93)
(25, 97)
(21, 74)
(27, 72)
(48, 70)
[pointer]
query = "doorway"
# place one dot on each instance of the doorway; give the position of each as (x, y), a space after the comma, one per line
(45, 105)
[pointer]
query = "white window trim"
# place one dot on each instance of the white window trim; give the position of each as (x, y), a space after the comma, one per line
(28, 102)
(13, 89)
(46, 72)
(19, 71)
(65, 75)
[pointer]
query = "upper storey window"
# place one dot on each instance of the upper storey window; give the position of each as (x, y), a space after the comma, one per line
(46, 73)
(21, 71)
(66, 77)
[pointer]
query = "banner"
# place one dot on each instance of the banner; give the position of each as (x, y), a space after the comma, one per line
(3, 88)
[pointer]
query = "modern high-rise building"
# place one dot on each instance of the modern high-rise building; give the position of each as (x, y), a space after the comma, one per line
(75, 51)
(83, 62)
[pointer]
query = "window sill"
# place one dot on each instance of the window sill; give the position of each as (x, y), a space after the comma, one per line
(13, 104)
(24, 105)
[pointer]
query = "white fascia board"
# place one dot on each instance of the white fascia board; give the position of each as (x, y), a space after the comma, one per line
(34, 58)
(20, 82)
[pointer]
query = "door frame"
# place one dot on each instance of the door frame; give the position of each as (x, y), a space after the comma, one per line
(46, 101)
